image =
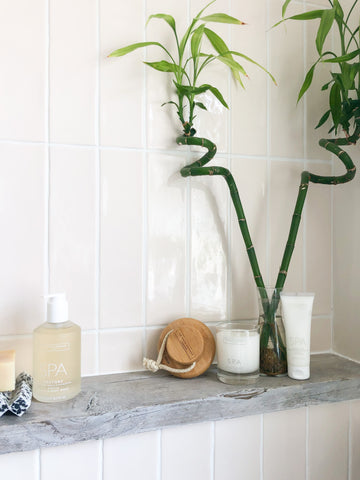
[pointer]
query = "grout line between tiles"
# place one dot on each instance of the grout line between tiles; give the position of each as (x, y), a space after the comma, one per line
(158, 151)
(307, 443)
(350, 442)
(102, 460)
(305, 215)
(47, 160)
(212, 451)
(229, 288)
(188, 223)
(159, 456)
(97, 194)
(37, 473)
(145, 192)
(268, 148)
(261, 446)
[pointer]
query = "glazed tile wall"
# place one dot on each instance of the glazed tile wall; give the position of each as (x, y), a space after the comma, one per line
(346, 257)
(92, 200)
(315, 442)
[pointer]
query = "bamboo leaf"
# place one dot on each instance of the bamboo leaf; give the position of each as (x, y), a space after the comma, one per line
(232, 64)
(220, 46)
(203, 10)
(164, 66)
(130, 48)
(312, 15)
(216, 41)
(343, 58)
(323, 119)
(327, 19)
(200, 105)
(326, 86)
(196, 41)
(284, 7)
(307, 82)
(187, 34)
(335, 104)
(255, 63)
(346, 75)
(188, 90)
(339, 13)
(218, 95)
(222, 18)
(168, 19)
(170, 103)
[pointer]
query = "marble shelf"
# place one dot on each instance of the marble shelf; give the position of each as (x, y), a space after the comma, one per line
(129, 403)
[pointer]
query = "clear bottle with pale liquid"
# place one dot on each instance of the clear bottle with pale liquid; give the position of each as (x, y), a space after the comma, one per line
(57, 354)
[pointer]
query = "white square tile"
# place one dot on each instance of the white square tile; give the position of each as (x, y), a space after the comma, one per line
(20, 465)
(318, 247)
(121, 79)
(355, 440)
(82, 460)
(186, 452)
(152, 340)
(120, 351)
(163, 124)
(72, 238)
(238, 448)
(209, 246)
(285, 181)
(321, 335)
(249, 105)
(22, 209)
(316, 100)
(23, 79)
(346, 258)
(166, 239)
(132, 457)
(121, 239)
(328, 441)
(73, 74)
(214, 123)
(286, 64)
(285, 432)
(250, 176)
(89, 353)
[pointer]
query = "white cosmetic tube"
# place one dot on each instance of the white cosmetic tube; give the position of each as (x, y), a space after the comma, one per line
(297, 310)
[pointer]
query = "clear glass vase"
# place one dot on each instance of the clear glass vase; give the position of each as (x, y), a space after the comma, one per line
(272, 333)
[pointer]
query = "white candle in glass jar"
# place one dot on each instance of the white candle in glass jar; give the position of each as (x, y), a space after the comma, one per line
(238, 351)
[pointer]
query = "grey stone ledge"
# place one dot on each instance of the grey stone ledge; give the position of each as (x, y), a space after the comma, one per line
(124, 404)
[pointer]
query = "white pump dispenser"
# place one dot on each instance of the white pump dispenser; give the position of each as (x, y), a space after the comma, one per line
(57, 354)
(57, 308)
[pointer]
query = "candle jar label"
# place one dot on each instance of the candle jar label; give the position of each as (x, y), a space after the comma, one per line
(238, 350)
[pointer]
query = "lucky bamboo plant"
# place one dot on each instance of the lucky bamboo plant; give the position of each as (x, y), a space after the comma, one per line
(190, 59)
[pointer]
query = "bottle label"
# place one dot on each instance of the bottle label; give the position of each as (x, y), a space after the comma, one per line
(56, 369)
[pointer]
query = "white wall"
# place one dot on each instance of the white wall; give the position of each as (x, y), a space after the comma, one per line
(92, 204)
(92, 201)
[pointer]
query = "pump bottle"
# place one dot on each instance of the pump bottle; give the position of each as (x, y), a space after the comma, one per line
(57, 354)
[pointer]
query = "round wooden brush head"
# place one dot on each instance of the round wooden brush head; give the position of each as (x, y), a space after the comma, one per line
(190, 341)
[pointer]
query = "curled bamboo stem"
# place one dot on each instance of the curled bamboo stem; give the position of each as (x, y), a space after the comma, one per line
(333, 146)
(198, 168)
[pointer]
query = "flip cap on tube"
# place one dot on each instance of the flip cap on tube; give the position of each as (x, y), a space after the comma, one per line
(57, 310)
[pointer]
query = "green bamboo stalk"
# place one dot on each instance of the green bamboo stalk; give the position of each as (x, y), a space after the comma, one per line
(197, 168)
(332, 145)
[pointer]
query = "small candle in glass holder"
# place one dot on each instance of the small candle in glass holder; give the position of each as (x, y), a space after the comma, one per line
(238, 350)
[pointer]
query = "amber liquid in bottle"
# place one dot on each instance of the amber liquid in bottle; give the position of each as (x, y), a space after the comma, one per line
(57, 362)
